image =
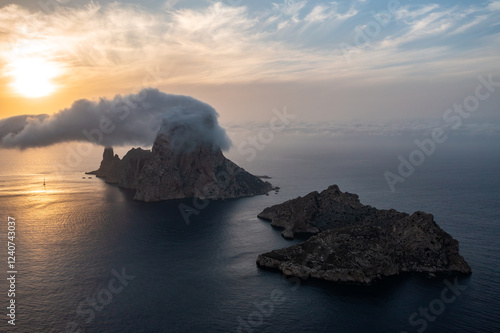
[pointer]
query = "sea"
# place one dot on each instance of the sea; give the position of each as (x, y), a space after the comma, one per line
(88, 258)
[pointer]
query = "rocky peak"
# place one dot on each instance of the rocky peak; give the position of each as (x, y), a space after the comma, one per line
(168, 172)
(110, 164)
(108, 154)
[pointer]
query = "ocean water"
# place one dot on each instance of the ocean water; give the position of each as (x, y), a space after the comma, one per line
(90, 259)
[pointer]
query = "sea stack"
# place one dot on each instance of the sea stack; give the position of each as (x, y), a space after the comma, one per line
(167, 172)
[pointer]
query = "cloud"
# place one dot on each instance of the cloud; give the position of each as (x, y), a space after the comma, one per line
(133, 119)
(220, 43)
(408, 13)
(432, 20)
(170, 4)
(320, 13)
(478, 20)
(290, 8)
(423, 21)
(494, 5)
(416, 42)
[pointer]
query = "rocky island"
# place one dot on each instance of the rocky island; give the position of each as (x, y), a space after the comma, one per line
(357, 243)
(166, 173)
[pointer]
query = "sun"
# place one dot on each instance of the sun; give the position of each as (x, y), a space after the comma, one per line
(32, 77)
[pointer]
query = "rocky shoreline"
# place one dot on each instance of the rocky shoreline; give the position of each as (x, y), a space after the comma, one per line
(356, 243)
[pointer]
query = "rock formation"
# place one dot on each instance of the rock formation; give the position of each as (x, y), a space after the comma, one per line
(358, 243)
(164, 173)
(320, 211)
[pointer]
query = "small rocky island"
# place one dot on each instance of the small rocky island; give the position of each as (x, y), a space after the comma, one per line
(356, 243)
(166, 173)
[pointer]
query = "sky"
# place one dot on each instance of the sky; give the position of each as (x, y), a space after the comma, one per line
(340, 67)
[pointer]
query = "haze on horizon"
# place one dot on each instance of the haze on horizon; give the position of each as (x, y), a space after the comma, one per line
(345, 67)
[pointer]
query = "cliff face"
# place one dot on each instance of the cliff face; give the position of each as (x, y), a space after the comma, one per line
(163, 174)
(358, 243)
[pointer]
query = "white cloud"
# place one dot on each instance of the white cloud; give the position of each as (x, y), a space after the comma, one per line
(290, 8)
(407, 14)
(321, 13)
(494, 5)
(427, 21)
(467, 26)
(318, 14)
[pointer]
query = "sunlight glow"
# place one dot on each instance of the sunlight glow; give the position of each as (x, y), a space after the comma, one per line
(33, 76)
